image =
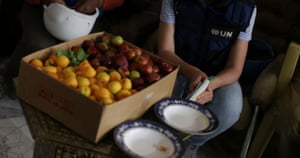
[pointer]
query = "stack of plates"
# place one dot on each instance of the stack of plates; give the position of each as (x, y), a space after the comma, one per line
(148, 139)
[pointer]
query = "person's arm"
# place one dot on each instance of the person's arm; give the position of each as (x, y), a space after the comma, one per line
(89, 6)
(237, 56)
(230, 73)
(166, 50)
(166, 45)
(234, 65)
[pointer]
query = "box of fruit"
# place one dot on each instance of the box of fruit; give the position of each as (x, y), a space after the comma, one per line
(93, 83)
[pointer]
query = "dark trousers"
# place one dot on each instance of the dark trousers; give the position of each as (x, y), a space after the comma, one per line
(11, 29)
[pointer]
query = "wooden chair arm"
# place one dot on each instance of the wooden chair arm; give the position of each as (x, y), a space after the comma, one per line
(288, 67)
(276, 77)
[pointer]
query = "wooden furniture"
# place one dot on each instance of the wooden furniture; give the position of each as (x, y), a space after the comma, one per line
(53, 140)
(266, 130)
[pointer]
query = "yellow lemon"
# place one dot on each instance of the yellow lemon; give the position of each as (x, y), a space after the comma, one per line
(85, 90)
(68, 69)
(103, 93)
(123, 94)
(36, 63)
(50, 69)
(102, 84)
(103, 76)
(83, 81)
(84, 64)
(59, 69)
(92, 80)
(95, 87)
(87, 72)
(115, 75)
(62, 61)
(101, 69)
(107, 101)
(91, 72)
(114, 86)
(67, 74)
(71, 81)
(126, 83)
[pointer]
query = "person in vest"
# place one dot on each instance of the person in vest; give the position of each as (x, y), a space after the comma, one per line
(36, 37)
(208, 38)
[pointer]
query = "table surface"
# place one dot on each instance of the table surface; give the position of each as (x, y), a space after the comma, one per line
(19, 122)
(57, 141)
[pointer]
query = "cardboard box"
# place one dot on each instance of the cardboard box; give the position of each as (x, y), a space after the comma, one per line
(77, 112)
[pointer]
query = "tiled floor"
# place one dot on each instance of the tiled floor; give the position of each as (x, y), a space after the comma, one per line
(16, 141)
(15, 138)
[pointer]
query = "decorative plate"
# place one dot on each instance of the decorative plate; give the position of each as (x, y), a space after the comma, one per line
(147, 139)
(186, 116)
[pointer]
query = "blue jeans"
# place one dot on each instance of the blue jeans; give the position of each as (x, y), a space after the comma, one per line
(227, 105)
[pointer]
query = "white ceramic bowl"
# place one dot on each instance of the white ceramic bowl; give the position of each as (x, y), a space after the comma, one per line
(186, 116)
(65, 23)
(147, 139)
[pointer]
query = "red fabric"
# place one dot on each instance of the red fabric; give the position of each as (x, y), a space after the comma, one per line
(111, 4)
(106, 4)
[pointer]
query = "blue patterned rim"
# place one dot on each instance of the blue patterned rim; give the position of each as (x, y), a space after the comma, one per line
(161, 105)
(123, 127)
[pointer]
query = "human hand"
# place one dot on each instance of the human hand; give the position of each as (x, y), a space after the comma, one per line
(47, 2)
(206, 96)
(87, 6)
(196, 76)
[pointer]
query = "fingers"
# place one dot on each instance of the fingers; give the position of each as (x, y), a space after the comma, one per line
(195, 76)
(205, 97)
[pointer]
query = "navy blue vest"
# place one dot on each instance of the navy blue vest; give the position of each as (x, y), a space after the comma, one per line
(203, 35)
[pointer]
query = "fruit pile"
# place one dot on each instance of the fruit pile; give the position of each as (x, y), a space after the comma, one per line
(105, 69)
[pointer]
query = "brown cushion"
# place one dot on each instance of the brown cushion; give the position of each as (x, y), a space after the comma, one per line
(287, 109)
(263, 91)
